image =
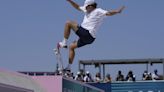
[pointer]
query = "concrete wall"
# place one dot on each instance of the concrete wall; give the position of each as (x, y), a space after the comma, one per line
(18, 82)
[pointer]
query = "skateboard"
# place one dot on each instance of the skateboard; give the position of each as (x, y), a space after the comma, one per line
(59, 64)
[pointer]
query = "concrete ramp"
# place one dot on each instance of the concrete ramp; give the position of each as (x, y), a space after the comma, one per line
(16, 82)
(61, 84)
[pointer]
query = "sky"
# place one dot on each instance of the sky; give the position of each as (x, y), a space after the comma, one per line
(30, 29)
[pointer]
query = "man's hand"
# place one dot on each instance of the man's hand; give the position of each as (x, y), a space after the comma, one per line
(113, 12)
(121, 9)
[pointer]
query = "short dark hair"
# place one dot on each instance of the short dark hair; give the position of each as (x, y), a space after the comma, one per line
(94, 5)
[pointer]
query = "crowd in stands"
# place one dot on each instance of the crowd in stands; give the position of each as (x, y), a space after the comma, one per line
(130, 77)
(150, 76)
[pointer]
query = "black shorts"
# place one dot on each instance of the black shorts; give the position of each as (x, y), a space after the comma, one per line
(84, 37)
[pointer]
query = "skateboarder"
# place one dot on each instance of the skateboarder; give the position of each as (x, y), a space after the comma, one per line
(86, 31)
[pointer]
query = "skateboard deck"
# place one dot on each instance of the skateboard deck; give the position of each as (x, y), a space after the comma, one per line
(58, 58)
(59, 64)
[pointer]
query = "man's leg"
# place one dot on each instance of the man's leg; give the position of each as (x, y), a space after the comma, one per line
(67, 30)
(72, 48)
(68, 26)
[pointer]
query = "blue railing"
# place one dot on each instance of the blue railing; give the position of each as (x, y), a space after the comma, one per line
(139, 86)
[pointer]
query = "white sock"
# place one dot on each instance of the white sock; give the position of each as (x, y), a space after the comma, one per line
(65, 41)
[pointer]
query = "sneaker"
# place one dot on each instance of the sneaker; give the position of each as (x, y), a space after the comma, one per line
(62, 45)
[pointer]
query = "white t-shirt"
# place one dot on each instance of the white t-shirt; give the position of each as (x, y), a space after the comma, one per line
(155, 76)
(93, 20)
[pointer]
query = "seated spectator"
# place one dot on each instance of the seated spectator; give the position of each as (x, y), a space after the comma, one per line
(97, 77)
(67, 73)
(120, 77)
(70, 75)
(79, 77)
(107, 78)
(130, 76)
(82, 72)
(155, 75)
(87, 77)
(146, 76)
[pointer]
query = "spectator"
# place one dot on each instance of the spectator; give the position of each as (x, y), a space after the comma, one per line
(70, 75)
(87, 77)
(97, 77)
(120, 77)
(155, 75)
(130, 76)
(82, 72)
(107, 78)
(146, 76)
(79, 77)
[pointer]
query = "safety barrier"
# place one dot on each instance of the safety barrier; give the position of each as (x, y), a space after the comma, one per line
(139, 86)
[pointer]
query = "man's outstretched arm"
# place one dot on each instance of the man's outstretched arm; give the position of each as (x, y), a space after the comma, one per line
(75, 5)
(113, 12)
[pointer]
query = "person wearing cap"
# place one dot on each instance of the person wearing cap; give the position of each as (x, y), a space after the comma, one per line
(86, 31)
(87, 77)
(79, 77)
